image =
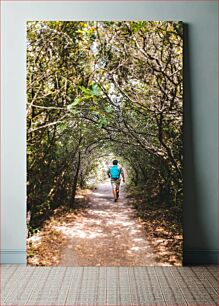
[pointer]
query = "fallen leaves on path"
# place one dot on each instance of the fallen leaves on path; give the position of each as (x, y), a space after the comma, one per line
(102, 233)
(163, 228)
(45, 247)
(107, 234)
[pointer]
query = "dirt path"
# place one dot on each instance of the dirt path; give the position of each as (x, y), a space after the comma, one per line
(106, 235)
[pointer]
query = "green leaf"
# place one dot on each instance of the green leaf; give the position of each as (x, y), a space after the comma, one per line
(95, 90)
(76, 102)
(85, 90)
(108, 109)
(62, 126)
(72, 105)
(102, 122)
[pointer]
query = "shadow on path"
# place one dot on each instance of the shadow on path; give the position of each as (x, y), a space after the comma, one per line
(107, 234)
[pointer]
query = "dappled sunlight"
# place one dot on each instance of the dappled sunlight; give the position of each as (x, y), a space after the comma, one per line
(97, 194)
(80, 231)
(101, 216)
(107, 234)
(81, 122)
(79, 196)
(34, 239)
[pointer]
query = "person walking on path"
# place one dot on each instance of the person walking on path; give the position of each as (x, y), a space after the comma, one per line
(114, 172)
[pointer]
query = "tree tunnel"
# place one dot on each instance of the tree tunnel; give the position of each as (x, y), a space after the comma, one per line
(97, 90)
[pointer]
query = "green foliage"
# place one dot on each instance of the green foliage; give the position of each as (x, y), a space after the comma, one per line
(71, 106)
(32, 230)
(100, 87)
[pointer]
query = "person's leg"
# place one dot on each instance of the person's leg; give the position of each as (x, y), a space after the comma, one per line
(114, 192)
(117, 188)
(114, 189)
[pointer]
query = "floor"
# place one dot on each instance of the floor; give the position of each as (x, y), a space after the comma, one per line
(25, 285)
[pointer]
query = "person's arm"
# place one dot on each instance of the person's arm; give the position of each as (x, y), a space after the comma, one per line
(108, 172)
(123, 175)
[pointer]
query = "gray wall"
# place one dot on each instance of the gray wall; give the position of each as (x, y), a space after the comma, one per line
(200, 112)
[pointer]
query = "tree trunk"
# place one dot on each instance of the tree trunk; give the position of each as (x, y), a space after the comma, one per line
(72, 200)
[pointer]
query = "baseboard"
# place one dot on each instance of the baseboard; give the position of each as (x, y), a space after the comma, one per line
(200, 257)
(13, 257)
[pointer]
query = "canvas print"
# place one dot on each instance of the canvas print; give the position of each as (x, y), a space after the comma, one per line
(104, 120)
